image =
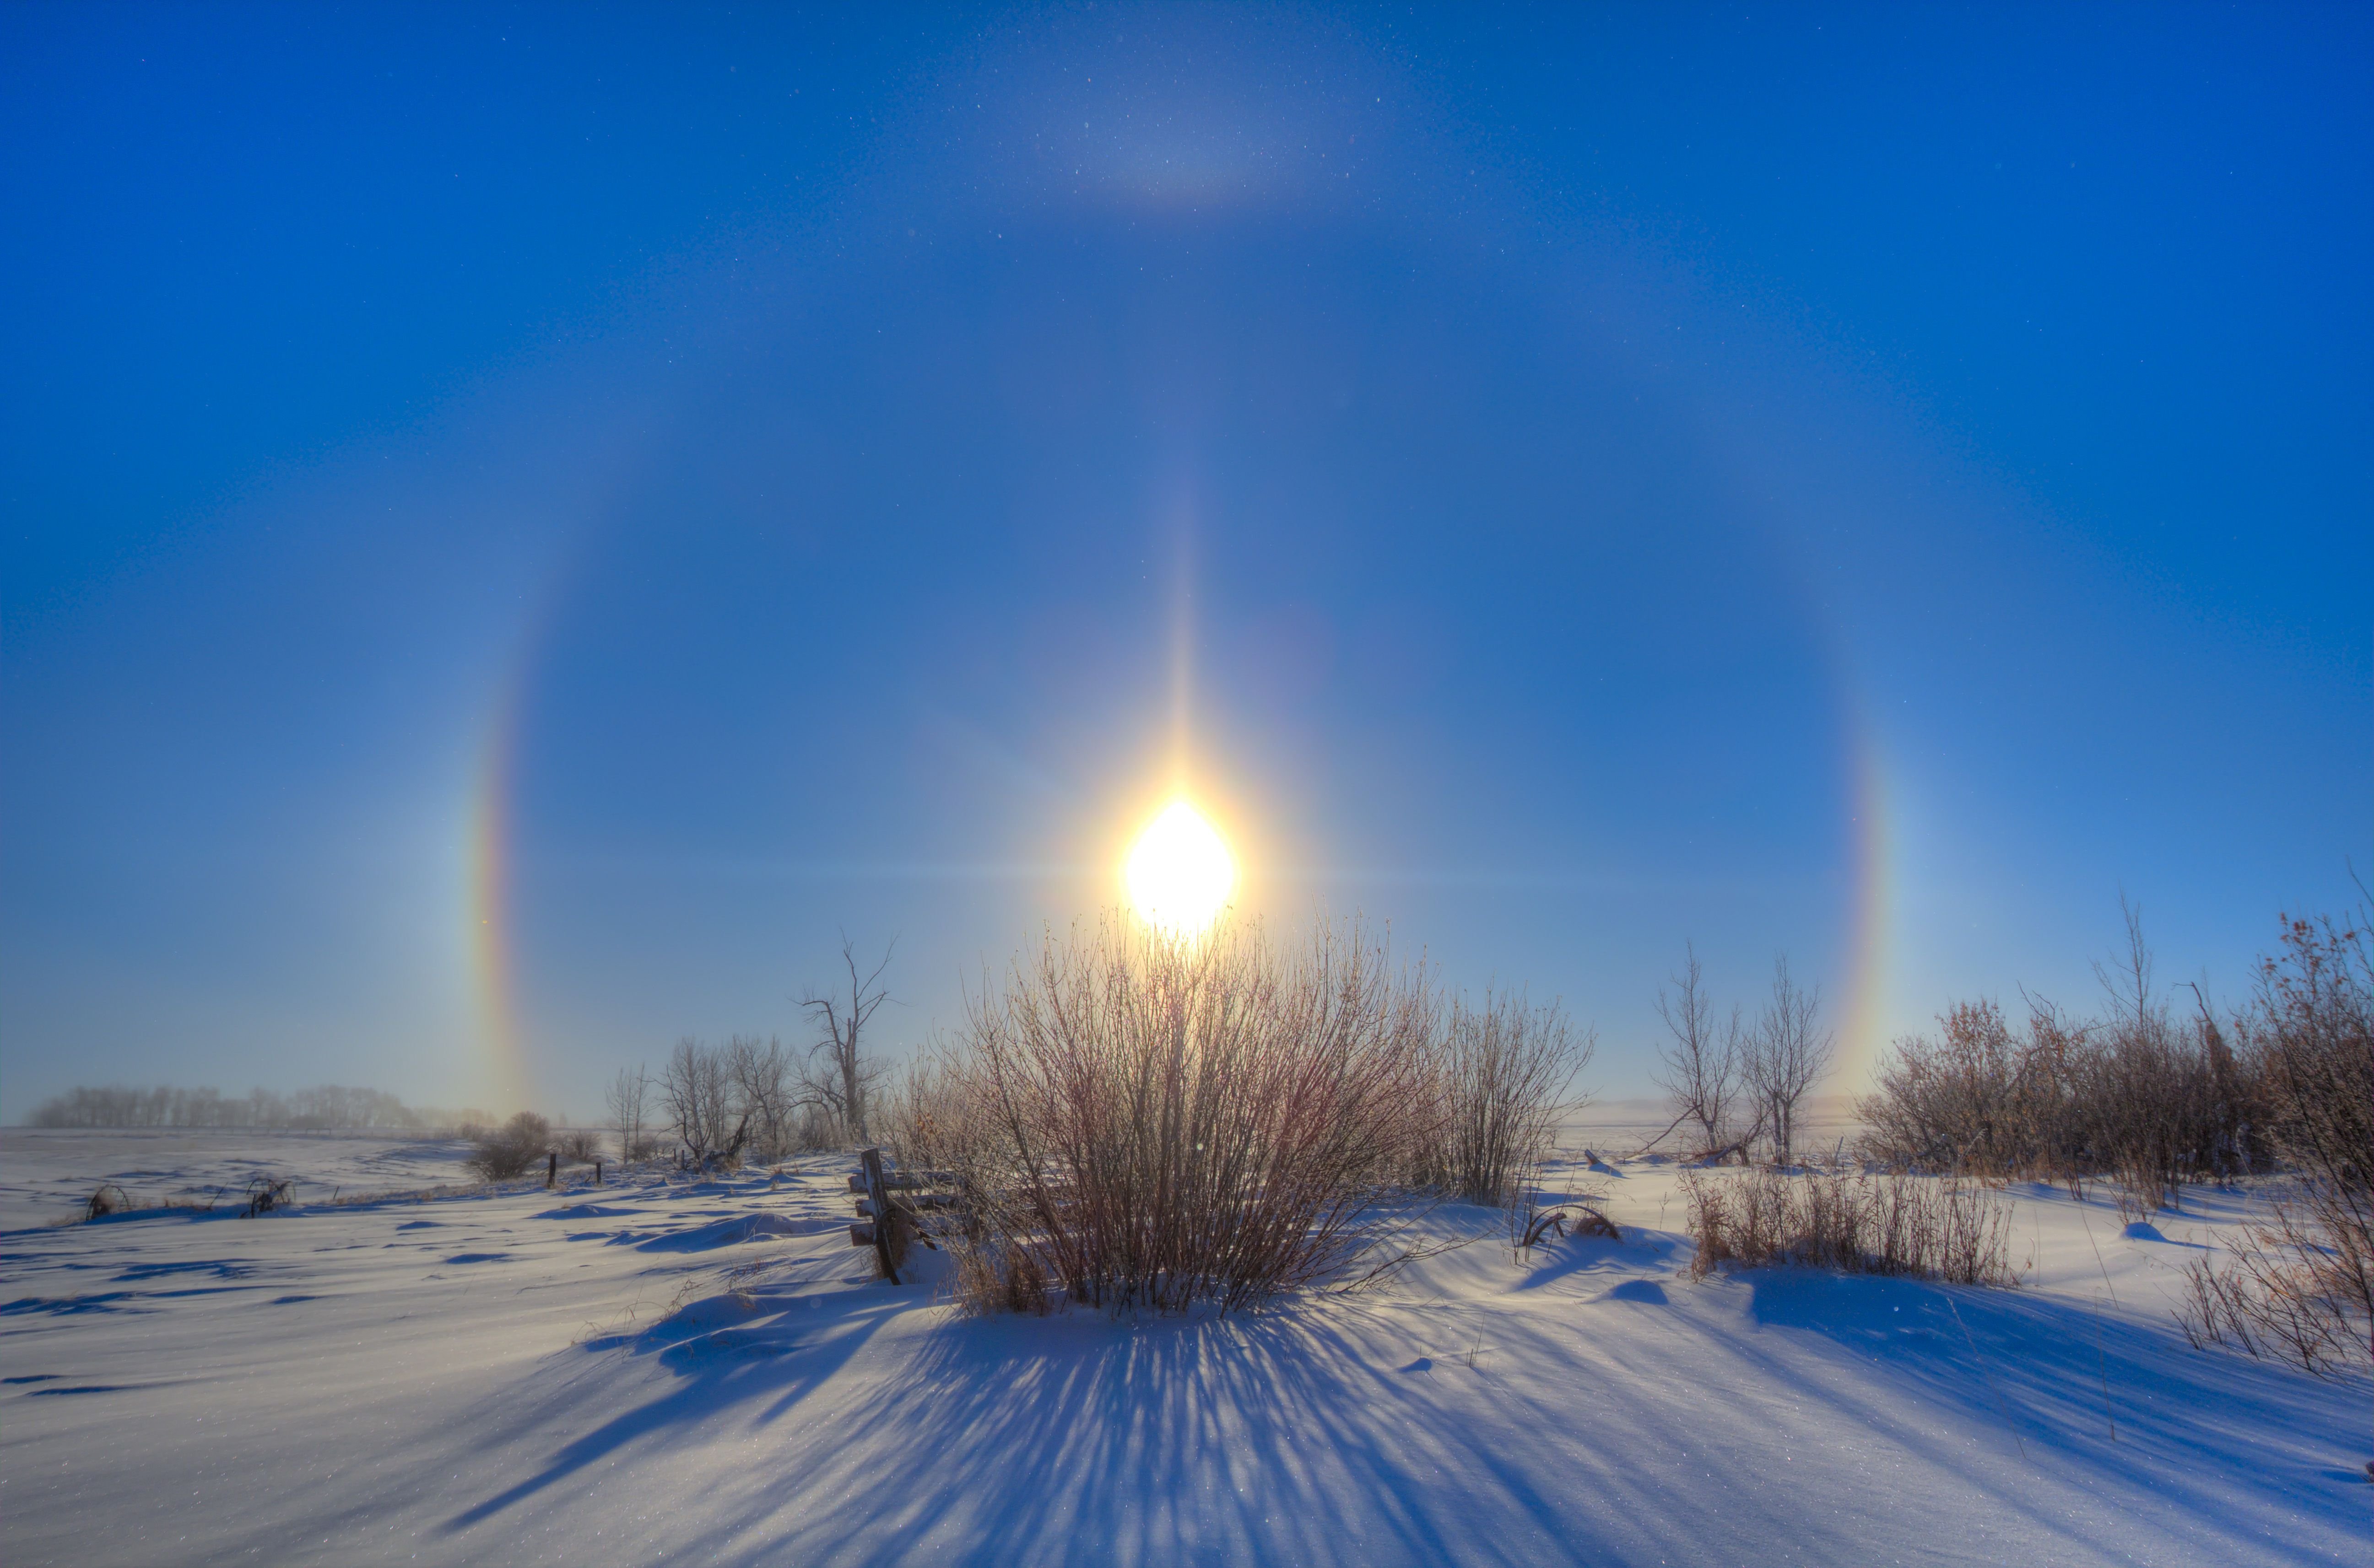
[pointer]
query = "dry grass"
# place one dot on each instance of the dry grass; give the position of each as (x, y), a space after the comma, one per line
(1928, 1228)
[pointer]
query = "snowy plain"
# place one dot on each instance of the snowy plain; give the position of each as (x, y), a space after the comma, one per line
(673, 1370)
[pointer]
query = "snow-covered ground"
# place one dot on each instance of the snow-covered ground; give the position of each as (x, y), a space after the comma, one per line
(47, 1174)
(566, 1376)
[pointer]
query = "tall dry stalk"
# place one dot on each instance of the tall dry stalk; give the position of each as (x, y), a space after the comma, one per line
(1928, 1228)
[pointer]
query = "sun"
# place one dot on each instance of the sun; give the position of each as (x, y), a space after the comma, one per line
(1180, 872)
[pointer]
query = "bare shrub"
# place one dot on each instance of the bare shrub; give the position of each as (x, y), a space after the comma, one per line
(2300, 1285)
(511, 1149)
(1506, 1071)
(2146, 1087)
(1161, 1124)
(2137, 1096)
(925, 1118)
(1982, 1097)
(109, 1200)
(578, 1145)
(1887, 1223)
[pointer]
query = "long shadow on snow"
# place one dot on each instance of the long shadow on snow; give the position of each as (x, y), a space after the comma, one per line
(2058, 1375)
(1088, 1439)
(726, 1354)
(735, 1229)
(1596, 1255)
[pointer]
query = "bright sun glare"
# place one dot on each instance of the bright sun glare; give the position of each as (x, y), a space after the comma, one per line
(1180, 871)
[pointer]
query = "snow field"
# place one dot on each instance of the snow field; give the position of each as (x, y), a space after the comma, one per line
(702, 1372)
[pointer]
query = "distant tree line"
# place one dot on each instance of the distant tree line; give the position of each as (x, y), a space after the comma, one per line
(324, 1106)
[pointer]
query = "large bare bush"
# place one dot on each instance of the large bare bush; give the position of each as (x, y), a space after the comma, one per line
(1156, 1124)
(2141, 1095)
(2300, 1282)
(1980, 1098)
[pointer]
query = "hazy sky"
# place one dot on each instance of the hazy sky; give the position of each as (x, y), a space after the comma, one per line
(525, 522)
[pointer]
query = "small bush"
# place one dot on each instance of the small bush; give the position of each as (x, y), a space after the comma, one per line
(511, 1149)
(578, 1146)
(1927, 1228)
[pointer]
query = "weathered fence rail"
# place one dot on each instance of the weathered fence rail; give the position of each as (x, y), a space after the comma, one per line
(888, 1200)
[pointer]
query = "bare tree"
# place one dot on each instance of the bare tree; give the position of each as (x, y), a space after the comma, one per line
(1699, 1072)
(1783, 1056)
(697, 1089)
(763, 1095)
(843, 1079)
(630, 1096)
(724, 1101)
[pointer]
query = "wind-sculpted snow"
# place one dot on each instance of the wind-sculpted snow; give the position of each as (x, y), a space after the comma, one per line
(705, 1372)
(734, 1231)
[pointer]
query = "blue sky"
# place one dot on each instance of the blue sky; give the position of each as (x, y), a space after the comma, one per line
(523, 523)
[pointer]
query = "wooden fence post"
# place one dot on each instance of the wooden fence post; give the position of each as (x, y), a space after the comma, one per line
(551, 1168)
(878, 1193)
